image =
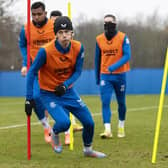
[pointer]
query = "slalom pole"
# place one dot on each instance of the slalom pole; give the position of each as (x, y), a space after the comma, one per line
(71, 127)
(159, 115)
(28, 66)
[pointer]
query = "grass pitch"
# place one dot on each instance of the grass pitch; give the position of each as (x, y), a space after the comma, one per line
(133, 151)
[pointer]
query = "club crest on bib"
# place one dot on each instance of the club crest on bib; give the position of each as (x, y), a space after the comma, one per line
(63, 25)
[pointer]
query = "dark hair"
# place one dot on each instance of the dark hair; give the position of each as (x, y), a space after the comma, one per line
(55, 13)
(110, 15)
(38, 4)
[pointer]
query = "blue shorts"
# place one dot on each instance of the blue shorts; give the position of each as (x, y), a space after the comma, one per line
(70, 101)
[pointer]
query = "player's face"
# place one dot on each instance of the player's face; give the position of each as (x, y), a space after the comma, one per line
(38, 15)
(64, 37)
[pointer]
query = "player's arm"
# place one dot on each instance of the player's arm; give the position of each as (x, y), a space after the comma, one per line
(23, 46)
(23, 50)
(126, 55)
(78, 68)
(39, 61)
(97, 62)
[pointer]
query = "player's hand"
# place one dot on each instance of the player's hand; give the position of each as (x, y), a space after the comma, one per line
(110, 69)
(24, 71)
(60, 90)
(29, 105)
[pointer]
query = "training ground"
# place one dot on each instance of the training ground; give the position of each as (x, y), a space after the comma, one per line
(133, 151)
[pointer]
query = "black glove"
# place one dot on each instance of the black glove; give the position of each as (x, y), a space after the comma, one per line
(29, 105)
(60, 90)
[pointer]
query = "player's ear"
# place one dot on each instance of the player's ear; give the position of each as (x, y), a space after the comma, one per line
(46, 13)
(73, 34)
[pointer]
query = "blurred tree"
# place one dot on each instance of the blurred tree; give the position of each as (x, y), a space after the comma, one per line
(9, 29)
(148, 40)
(86, 33)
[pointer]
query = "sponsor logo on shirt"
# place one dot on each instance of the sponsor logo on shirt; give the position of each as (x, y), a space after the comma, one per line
(62, 71)
(41, 42)
(111, 52)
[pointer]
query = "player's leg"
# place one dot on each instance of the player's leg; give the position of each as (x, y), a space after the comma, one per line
(82, 113)
(61, 125)
(57, 112)
(84, 116)
(120, 90)
(67, 132)
(106, 90)
(76, 126)
(40, 111)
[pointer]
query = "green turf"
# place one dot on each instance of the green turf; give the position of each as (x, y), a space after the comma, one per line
(133, 151)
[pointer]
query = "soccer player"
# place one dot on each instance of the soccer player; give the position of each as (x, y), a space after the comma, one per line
(60, 65)
(76, 127)
(55, 14)
(41, 32)
(112, 55)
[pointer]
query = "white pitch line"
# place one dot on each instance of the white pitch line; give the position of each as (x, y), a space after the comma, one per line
(19, 125)
(11, 103)
(95, 114)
